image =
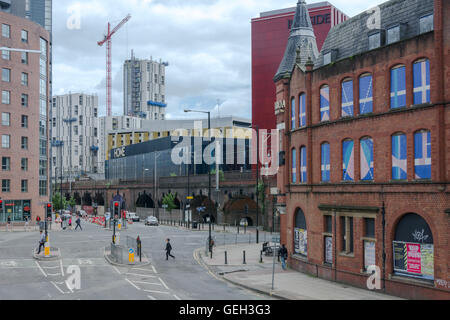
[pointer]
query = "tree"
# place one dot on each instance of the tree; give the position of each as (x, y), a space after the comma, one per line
(169, 201)
(57, 200)
(72, 202)
(261, 189)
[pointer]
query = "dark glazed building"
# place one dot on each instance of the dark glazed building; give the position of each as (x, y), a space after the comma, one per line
(366, 131)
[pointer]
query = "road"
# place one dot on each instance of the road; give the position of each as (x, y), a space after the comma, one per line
(22, 277)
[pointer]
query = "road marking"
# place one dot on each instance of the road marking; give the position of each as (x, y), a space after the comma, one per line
(140, 269)
(176, 297)
(8, 263)
(54, 274)
(154, 270)
(41, 269)
(165, 286)
(141, 275)
(143, 282)
(117, 270)
(154, 291)
(151, 298)
(133, 284)
(62, 269)
(51, 267)
(57, 287)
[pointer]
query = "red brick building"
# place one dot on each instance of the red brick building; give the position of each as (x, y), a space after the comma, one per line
(24, 116)
(365, 138)
(270, 33)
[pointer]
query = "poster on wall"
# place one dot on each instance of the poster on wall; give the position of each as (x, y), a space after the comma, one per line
(300, 239)
(329, 250)
(369, 254)
(414, 259)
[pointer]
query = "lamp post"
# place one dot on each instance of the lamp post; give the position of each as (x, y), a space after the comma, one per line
(209, 177)
(257, 182)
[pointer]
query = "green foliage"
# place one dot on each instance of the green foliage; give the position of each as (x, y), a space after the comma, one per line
(169, 200)
(56, 201)
(72, 203)
(221, 174)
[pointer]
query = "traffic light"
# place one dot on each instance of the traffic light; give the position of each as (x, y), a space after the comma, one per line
(116, 205)
(1, 205)
(49, 210)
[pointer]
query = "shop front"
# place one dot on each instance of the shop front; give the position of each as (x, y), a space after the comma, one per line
(17, 210)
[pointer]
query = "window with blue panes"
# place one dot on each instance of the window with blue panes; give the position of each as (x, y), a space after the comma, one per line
(348, 160)
(422, 88)
(325, 103)
(365, 94)
(293, 113)
(294, 166)
(325, 162)
(399, 157)
(347, 98)
(366, 159)
(303, 166)
(422, 154)
(302, 109)
(398, 87)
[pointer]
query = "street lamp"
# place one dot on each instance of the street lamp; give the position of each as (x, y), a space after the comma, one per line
(209, 176)
(143, 176)
(257, 181)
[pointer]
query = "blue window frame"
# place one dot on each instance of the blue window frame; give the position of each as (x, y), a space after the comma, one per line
(348, 155)
(325, 162)
(398, 87)
(366, 159)
(422, 87)
(325, 103)
(365, 94)
(422, 154)
(294, 166)
(302, 109)
(399, 157)
(347, 98)
(303, 166)
(293, 113)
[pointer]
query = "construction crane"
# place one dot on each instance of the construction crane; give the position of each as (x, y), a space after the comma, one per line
(107, 39)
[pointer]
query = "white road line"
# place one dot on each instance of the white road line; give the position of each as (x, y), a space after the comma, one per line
(133, 284)
(151, 298)
(41, 269)
(57, 287)
(154, 291)
(143, 282)
(154, 270)
(175, 296)
(117, 270)
(141, 275)
(165, 286)
(54, 274)
(140, 269)
(51, 267)
(62, 269)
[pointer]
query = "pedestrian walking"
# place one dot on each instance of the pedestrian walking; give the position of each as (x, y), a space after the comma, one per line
(168, 249)
(27, 223)
(78, 222)
(41, 241)
(9, 223)
(283, 253)
(70, 222)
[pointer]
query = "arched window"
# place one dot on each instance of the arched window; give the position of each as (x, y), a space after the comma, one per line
(399, 157)
(366, 159)
(421, 75)
(325, 148)
(347, 98)
(325, 103)
(302, 109)
(413, 248)
(303, 166)
(300, 234)
(348, 160)
(398, 87)
(365, 94)
(294, 166)
(422, 154)
(293, 113)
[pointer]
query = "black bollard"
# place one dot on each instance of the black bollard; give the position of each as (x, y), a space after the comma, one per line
(244, 258)
(226, 258)
(261, 257)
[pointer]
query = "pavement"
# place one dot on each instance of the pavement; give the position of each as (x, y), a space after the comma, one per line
(288, 285)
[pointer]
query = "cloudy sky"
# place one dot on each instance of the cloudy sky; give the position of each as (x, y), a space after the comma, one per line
(206, 42)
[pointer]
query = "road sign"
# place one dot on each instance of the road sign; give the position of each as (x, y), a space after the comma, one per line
(131, 250)
(165, 206)
(276, 239)
(190, 198)
(131, 255)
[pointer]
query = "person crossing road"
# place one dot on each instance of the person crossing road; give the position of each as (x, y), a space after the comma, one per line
(168, 249)
(78, 222)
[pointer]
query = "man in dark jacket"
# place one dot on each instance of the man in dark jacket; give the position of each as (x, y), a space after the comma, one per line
(283, 252)
(78, 222)
(168, 249)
